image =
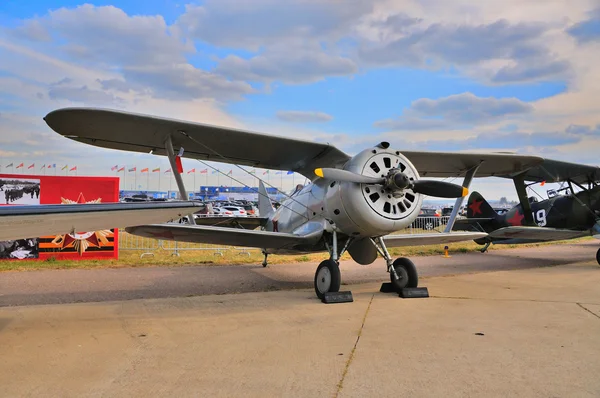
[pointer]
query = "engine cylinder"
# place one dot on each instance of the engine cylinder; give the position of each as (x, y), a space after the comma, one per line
(372, 209)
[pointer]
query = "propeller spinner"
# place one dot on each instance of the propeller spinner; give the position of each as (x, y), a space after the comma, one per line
(397, 181)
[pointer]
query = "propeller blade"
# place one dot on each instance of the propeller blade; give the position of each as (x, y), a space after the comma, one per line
(344, 175)
(439, 189)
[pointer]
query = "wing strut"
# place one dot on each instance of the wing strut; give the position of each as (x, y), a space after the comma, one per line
(178, 179)
(519, 181)
(466, 183)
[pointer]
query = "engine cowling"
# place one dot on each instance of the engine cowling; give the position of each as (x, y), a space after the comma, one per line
(366, 210)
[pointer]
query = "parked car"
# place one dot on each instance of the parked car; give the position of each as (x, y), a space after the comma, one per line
(427, 219)
(230, 211)
(447, 211)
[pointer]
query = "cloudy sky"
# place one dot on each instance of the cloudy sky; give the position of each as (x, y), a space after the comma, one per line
(516, 75)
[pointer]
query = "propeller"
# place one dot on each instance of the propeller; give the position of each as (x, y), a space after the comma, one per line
(397, 181)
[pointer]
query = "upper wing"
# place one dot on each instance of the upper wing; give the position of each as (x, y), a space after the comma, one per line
(451, 164)
(555, 171)
(227, 236)
(21, 222)
(448, 164)
(430, 238)
(142, 133)
(537, 233)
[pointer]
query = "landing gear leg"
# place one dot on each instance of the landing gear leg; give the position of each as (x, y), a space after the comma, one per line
(484, 249)
(403, 272)
(328, 277)
(264, 263)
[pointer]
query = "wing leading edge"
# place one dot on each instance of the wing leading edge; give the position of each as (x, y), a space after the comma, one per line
(227, 236)
(21, 222)
(537, 233)
(430, 238)
(145, 133)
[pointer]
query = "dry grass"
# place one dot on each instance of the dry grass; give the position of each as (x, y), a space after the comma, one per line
(232, 256)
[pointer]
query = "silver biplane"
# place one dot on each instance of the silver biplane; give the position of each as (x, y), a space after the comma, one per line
(353, 204)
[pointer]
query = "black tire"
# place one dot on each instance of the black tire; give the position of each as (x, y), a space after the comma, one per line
(327, 278)
(598, 256)
(429, 225)
(407, 272)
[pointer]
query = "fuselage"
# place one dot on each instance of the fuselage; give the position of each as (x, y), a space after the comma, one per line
(577, 212)
(350, 209)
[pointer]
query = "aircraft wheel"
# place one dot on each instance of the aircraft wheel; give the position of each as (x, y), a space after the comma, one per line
(598, 256)
(407, 273)
(327, 278)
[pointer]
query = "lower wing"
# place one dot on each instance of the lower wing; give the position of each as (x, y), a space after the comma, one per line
(227, 236)
(537, 233)
(22, 222)
(430, 238)
(232, 222)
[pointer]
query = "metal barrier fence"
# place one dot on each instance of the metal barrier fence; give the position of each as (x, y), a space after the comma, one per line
(149, 246)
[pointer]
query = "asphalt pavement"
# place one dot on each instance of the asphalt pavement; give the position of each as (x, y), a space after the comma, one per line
(530, 329)
(108, 284)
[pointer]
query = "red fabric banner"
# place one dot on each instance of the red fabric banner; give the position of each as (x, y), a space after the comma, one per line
(19, 189)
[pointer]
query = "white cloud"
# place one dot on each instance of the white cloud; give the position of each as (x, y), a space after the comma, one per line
(303, 116)
(141, 63)
(454, 111)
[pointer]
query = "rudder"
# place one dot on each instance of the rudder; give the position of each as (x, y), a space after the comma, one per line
(265, 207)
(478, 207)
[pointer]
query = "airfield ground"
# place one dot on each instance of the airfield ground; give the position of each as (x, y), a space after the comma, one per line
(527, 326)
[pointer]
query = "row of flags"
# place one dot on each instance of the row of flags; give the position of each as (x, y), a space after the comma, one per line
(133, 169)
(203, 171)
(44, 166)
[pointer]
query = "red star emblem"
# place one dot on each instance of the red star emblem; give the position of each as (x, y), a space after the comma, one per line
(476, 207)
(80, 241)
(517, 219)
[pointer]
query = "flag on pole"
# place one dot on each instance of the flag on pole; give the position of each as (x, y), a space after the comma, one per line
(290, 172)
(178, 160)
(230, 171)
(279, 172)
(74, 168)
(215, 172)
(132, 169)
(66, 166)
(31, 166)
(145, 170)
(9, 165)
(43, 166)
(266, 172)
(192, 171)
(168, 171)
(155, 170)
(253, 171)
(19, 166)
(53, 165)
(205, 171)
(115, 167)
(121, 169)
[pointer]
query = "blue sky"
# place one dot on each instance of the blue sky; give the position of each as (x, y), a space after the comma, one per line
(429, 75)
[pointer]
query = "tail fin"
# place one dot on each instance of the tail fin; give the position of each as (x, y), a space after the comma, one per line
(265, 208)
(478, 207)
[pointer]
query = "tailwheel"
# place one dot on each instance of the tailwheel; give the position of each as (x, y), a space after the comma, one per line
(407, 274)
(327, 278)
(598, 256)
